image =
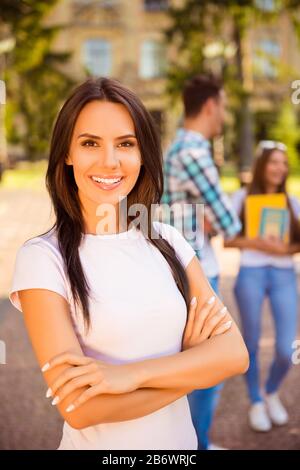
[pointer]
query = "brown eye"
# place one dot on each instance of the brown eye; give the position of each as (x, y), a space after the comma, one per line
(89, 143)
(127, 143)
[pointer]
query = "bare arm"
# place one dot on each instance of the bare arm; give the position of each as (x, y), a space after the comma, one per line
(241, 243)
(204, 365)
(269, 246)
(48, 323)
(294, 248)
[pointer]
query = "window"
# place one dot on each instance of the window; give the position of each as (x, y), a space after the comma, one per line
(152, 62)
(266, 58)
(98, 57)
(155, 5)
(267, 5)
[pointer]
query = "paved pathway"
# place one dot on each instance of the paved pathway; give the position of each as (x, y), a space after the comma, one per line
(28, 421)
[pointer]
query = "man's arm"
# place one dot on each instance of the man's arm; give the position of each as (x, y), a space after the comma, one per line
(204, 182)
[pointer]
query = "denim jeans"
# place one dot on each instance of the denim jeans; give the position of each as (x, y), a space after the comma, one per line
(203, 402)
(280, 286)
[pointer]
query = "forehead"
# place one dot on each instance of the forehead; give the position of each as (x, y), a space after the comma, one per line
(103, 118)
(278, 156)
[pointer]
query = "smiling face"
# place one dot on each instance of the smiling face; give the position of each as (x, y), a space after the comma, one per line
(104, 153)
(276, 169)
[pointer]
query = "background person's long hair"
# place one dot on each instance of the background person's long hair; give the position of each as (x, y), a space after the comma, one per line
(258, 186)
(61, 185)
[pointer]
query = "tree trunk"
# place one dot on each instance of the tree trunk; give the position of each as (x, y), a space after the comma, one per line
(245, 137)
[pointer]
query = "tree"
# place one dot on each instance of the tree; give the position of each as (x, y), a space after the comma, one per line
(224, 25)
(36, 84)
(286, 130)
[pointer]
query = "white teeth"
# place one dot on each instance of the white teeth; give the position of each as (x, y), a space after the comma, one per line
(106, 180)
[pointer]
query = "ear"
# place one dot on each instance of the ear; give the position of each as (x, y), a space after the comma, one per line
(68, 160)
(210, 105)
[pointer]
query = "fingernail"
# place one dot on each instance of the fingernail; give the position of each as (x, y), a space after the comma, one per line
(49, 393)
(193, 301)
(211, 300)
(45, 367)
(70, 408)
(228, 324)
(55, 401)
(223, 311)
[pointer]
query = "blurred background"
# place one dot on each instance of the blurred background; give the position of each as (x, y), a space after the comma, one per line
(152, 46)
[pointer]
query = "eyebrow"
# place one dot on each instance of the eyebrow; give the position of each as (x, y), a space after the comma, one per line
(92, 136)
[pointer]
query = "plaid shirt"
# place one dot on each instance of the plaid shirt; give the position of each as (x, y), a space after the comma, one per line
(191, 177)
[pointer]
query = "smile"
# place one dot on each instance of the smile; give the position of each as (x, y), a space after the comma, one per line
(106, 183)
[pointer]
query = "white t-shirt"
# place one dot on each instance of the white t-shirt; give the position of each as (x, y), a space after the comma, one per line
(209, 260)
(137, 312)
(257, 258)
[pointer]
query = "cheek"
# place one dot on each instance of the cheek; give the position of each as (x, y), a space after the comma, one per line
(82, 162)
(131, 165)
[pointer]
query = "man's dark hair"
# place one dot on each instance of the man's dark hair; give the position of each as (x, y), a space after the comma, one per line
(197, 91)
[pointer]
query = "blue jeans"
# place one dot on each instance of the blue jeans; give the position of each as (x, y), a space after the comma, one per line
(280, 286)
(203, 402)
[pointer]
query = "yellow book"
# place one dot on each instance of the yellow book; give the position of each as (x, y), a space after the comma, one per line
(263, 212)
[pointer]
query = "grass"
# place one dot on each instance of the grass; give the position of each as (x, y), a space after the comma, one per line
(27, 175)
(231, 184)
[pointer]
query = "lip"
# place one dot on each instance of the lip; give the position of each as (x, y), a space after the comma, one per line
(107, 187)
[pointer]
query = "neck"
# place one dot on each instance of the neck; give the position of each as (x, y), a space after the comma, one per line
(100, 221)
(271, 188)
(198, 125)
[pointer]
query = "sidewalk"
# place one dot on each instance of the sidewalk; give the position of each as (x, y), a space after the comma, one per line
(24, 411)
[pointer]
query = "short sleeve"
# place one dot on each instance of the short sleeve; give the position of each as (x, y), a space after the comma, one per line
(237, 200)
(183, 249)
(295, 206)
(37, 267)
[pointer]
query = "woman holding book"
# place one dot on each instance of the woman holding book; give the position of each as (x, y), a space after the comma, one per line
(267, 270)
(105, 294)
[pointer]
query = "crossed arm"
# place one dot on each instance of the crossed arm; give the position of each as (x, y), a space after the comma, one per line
(160, 381)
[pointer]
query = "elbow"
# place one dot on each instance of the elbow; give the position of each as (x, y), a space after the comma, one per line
(79, 419)
(242, 360)
(75, 421)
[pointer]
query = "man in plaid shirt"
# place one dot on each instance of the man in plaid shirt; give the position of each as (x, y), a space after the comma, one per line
(191, 178)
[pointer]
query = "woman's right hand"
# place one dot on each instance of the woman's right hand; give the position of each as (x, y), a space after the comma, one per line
(204, 323)
(270, 245)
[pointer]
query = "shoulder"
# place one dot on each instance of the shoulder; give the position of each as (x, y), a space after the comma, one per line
(295, 203)
(38, 265)
(238, 198)
(46, 244)
(183, 249)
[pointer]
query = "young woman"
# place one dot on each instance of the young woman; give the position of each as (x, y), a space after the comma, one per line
(267, 271)
(105, 298)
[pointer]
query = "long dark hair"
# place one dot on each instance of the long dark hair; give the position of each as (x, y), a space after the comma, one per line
(60, 182)
(258, 186)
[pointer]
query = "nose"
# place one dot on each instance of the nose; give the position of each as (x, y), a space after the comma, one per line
(109, 157)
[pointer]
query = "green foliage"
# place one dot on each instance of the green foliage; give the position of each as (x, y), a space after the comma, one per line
(286, 129)
(36, 84)
(196, 24)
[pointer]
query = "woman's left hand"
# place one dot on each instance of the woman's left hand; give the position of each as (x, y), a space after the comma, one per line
(84, 371)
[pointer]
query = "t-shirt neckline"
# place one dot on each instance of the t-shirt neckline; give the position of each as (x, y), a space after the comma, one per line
(126, 235)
